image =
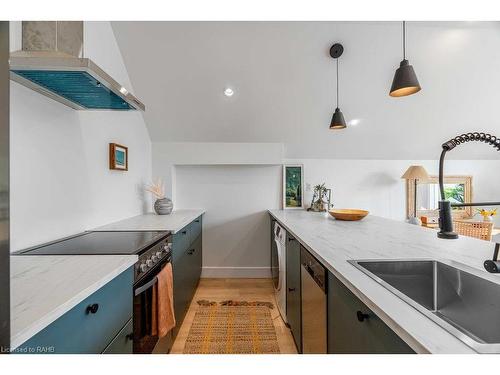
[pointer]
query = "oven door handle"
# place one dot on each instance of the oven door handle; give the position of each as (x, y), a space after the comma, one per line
(145, 286)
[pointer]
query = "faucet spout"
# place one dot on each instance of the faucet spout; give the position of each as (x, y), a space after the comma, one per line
(445, 206)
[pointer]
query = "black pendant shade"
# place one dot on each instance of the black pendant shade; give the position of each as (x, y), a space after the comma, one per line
(405, 80)
(338, 121)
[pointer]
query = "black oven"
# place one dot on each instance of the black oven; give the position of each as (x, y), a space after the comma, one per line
(147, 268)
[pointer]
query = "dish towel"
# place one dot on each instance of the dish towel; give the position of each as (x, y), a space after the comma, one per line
(163, 319)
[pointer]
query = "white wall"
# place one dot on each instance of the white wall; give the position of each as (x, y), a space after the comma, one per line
(376, 185)
(60, 180)
(236, 234)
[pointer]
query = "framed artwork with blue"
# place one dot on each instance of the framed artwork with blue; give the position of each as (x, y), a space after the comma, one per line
(118, 157)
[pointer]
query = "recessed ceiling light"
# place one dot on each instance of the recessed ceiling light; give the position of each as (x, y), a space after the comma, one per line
(228, 92)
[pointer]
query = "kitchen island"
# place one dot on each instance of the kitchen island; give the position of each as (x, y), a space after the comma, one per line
(334, 242)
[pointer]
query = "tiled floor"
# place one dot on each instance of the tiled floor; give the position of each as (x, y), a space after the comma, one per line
(236, 289)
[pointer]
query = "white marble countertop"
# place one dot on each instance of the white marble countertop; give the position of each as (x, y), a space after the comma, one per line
(45, 287)
(174, 222)
(334, 242)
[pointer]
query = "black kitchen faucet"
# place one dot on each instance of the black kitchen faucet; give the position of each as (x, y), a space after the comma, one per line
(445, 206)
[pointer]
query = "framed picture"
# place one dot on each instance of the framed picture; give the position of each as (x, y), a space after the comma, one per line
(118, 157)
(293, 186)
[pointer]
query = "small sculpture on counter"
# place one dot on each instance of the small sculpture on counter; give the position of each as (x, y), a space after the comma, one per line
(163, 205)
(321, 201)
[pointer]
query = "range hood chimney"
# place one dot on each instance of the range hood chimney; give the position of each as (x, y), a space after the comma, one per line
(51, 62)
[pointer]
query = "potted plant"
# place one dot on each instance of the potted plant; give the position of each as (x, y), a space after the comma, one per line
(321, 198)
(163, 205)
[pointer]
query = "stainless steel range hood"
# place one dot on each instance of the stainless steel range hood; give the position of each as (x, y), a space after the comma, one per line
(51, 62)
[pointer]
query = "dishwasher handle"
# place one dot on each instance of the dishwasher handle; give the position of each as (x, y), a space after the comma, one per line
(318, 277)
(314, 268)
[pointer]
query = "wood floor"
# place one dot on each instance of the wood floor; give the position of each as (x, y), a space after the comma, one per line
(236, 289)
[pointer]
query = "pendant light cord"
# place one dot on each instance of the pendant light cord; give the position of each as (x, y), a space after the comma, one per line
(337, 82)
(404, 40)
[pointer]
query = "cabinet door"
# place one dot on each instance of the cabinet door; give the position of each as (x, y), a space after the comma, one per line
(347, 333)
(181, 269)
(186, 263)
(293, 294)
(193, 259)
(196, 261)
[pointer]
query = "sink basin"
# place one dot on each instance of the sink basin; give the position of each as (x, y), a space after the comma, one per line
(461, 299)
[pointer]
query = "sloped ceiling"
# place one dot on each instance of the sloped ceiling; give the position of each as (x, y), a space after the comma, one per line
(284, 84)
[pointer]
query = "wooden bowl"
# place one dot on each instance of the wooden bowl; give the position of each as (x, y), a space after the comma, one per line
(348, 214)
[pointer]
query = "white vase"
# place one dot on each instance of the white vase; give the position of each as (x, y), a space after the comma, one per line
(487, 218)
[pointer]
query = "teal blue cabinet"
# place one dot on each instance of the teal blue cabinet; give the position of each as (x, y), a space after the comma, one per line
(92, 325)
(293, 290)
(186, 264)
(122, 343)
(354, 329)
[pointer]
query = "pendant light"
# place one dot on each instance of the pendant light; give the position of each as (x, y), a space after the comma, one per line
(338, 121)
(405, 80)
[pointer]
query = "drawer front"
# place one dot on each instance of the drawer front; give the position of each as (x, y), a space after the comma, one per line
(79, 331)
(180, 243)
(195, 263)
(195, 228)
(123, 342)
(348, 335)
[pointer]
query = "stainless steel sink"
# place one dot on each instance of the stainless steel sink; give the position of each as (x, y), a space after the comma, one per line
(461, 299)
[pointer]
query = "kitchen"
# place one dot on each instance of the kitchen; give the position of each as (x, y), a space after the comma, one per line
(178, 187)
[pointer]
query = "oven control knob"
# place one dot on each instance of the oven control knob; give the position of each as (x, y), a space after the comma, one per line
(149, 262)
(158, 254)
(154, 258)
(143, 267)
(166, 247)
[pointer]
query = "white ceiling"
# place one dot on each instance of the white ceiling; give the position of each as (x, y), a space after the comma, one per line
(284, 83)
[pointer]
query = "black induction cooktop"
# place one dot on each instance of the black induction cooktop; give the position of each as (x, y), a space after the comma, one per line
(99, 243)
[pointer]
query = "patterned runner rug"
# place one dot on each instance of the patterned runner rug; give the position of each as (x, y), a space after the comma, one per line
(232, 328)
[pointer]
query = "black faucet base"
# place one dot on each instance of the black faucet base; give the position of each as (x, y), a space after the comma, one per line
(448, 235)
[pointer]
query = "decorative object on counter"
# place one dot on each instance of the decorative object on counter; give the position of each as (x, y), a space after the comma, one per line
(338, 121)
(163, 205)
(445, 206)
(486, 214)
(347, 214)
(293, 186)
(415, 173)
(118, 157)
(405, 80)
(321, 200)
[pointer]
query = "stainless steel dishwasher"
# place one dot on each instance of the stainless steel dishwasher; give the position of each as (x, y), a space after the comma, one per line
(313, 280)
